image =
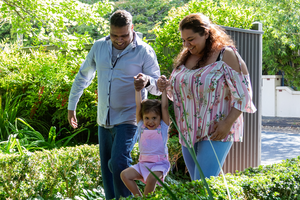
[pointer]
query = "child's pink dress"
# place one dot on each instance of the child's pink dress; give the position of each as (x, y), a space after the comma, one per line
(153, 150)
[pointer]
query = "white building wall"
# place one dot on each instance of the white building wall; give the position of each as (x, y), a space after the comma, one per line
(288, 102)
(268, 91)
(279, 101)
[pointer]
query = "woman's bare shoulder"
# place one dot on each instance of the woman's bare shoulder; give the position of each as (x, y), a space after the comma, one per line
(230, 57)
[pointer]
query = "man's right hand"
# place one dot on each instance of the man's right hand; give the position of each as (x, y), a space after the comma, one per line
(72, 118)
(140, 81)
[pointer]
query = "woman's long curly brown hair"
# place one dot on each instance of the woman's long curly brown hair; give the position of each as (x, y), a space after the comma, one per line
(216, 40)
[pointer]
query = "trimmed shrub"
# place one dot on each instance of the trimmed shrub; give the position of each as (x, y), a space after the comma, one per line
(48, 174)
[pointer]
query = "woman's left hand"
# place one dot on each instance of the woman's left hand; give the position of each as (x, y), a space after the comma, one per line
(221, 130)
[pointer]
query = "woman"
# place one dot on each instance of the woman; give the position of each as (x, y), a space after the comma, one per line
(210, 87)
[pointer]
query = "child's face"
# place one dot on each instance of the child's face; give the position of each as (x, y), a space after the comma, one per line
(151, 120)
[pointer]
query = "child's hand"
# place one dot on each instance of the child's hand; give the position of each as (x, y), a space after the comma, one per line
(162, 83)
(140, 81)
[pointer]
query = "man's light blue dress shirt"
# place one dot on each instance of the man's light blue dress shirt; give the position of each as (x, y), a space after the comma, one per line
(116, 93)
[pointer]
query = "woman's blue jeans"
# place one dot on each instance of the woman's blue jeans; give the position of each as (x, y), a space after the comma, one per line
(206, 158)
(115, 146)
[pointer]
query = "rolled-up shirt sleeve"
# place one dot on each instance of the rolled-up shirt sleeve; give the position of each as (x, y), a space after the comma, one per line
(83, 79)
(241, 90)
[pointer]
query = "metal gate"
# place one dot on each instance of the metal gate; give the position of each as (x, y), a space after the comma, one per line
(248, 153)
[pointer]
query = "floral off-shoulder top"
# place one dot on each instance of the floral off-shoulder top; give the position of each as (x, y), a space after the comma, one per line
(206, 95)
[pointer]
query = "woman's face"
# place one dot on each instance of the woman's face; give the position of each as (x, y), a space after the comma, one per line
(193, 41)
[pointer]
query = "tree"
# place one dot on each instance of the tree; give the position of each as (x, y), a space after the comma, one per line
(146, 13)
(281, 38)
(51, 21)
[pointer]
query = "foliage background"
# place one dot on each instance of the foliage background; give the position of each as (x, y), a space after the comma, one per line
(281, 38)
(64, 23)
(42, 25)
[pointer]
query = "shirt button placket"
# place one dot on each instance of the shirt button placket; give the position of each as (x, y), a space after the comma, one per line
(109, 83)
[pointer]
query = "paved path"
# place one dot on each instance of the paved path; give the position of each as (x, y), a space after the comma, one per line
(278, 145)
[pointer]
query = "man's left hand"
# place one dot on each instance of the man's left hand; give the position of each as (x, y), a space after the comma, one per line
(140, 81)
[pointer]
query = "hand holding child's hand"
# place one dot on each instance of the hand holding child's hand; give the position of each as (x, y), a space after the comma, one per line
(162, 83)
(140, 81)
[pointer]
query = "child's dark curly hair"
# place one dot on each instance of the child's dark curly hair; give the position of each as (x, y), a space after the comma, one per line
(150, 105)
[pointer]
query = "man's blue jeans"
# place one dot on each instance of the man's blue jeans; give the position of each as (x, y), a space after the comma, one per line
(115, 146)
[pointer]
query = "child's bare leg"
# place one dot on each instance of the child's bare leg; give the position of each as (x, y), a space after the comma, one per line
(128, 176)
(151, 182)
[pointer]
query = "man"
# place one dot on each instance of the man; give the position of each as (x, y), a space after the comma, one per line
(117, 59)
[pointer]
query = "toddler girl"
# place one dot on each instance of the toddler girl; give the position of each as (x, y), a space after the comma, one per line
(153, 122)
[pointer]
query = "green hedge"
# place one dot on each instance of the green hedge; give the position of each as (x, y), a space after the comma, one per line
(61, 172)
(74, 172)
(50, 174)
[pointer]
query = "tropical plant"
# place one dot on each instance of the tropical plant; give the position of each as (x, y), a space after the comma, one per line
(28, 139)
(12, 143)
(37, 141)
(9, 111)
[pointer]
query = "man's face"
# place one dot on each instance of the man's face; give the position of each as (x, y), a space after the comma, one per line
(121, 36)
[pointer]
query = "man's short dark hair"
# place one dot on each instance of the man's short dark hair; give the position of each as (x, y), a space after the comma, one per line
(121, 18)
